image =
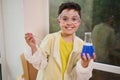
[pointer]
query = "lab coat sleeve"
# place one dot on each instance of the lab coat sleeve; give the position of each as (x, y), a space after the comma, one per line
(40, 57)
(38, 60)
(84, 73)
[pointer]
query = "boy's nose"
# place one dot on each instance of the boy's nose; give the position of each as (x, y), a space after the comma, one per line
(69, 22)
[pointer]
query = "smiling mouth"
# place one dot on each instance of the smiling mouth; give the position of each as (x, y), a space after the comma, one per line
(69, 28)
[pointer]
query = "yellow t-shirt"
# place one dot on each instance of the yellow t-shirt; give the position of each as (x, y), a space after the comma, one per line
(65, 50)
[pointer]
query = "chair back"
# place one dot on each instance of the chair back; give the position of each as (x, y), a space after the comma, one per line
(29, 72)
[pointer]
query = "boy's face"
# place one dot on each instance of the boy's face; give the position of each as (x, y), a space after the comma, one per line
(69, 21)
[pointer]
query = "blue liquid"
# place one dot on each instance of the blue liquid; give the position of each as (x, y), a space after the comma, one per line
(88, 49)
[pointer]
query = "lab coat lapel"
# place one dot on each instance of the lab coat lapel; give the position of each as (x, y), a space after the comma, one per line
(56, 52)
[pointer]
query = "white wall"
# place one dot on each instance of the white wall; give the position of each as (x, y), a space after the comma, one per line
(36, 17)
(2, 46)
(13, 27)
(19, 17)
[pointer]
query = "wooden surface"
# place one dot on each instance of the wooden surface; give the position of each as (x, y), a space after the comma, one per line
(30, 73)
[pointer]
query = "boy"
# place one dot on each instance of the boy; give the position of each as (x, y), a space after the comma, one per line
(58, 57)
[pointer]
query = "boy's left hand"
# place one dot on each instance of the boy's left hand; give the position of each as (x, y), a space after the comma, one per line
(85, 59)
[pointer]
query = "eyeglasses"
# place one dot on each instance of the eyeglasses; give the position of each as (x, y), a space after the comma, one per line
(66, 19)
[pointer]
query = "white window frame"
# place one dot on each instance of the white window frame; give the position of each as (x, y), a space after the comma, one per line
(107, 68)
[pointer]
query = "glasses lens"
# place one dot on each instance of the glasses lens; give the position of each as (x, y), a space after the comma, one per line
(66, 19)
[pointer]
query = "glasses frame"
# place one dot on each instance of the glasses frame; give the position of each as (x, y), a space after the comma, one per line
(79, 19)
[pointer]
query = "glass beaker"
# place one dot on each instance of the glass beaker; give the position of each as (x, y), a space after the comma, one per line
(88, 46)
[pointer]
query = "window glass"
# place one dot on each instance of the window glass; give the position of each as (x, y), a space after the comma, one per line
(102, 18)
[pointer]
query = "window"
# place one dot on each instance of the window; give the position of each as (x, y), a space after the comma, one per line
(96, 14)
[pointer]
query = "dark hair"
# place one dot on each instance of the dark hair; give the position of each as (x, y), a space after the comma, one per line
(70, 5)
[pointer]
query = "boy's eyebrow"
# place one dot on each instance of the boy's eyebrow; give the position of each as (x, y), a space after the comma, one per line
(66, 15)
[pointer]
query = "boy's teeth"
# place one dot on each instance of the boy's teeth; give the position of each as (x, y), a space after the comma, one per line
(69, 28)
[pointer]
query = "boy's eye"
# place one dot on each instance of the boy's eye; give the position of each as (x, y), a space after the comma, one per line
(65, 18)
(74, 19)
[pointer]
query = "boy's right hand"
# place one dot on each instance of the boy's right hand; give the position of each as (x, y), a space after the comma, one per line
(30, 40)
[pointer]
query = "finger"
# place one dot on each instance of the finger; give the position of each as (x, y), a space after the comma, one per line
(88, 57)
(28, 39)
(27, 33)
(84, 57)
(94, 56)
(31, 40)
(31, 34)
(28, 36)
